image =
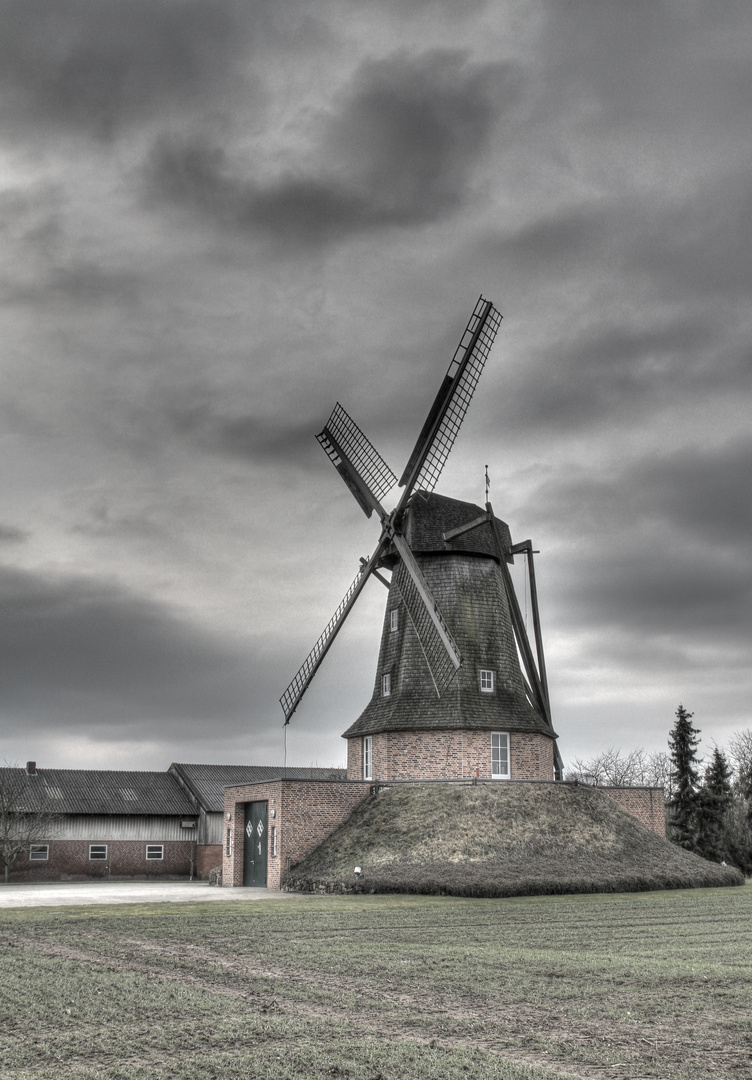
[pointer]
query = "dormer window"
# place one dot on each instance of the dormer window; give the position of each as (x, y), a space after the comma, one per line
(486, 680)
(386, 684)
(394, 620)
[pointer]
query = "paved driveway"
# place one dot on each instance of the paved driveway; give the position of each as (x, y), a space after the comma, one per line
(40, 894)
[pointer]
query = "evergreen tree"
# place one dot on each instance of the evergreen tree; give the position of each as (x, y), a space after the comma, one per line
(683, 741)
(713, 804)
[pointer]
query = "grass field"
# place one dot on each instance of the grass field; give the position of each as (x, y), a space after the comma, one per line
(382, 987)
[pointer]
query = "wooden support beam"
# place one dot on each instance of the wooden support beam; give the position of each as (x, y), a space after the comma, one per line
(451, 534)
(527, 547)
(518, 626)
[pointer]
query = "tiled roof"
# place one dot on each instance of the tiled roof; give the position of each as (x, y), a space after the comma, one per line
(98, 791)
(208, 782)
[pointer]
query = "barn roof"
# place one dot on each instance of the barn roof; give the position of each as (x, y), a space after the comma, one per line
(207, 783)
(97, 791)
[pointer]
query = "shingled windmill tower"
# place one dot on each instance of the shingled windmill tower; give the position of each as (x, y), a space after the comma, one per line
(450, 699)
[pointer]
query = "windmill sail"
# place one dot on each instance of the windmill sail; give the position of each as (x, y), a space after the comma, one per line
(451, 404)
(294, 692)
(369, 479)
(357, 460)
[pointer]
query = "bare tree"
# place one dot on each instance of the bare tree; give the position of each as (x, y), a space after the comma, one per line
(612, 769)
(740, 756)
(24, 818)
(658, 772)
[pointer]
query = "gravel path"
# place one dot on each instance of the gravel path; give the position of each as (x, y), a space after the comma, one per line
(41, 894)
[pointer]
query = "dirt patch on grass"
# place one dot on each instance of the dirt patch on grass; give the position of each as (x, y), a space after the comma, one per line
(500, 840)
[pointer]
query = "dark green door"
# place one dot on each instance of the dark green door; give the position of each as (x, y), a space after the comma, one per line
(254, 850)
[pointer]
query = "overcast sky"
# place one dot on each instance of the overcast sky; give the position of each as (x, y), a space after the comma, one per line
(218, 217)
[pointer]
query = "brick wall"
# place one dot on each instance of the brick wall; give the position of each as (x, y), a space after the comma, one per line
(531, 756)
(69, 861)
(449, 755)
(646, 804)
(207, 857)
(305, 813)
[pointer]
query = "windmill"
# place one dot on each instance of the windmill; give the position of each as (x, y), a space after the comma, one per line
(449, 574)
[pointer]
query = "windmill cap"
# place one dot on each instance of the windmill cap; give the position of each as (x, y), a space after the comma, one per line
(431, 516)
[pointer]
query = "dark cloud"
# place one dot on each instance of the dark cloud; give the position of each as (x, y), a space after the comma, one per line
(11, 534)
(654, 559)
(80, 283)
(699, 495)
(398, 150)
(86, 652)
(610, 372)
(704, 491)
(557, 242)
(643, 64)
(661, 590)
(289, 441)
(702, 245)
(96, 64)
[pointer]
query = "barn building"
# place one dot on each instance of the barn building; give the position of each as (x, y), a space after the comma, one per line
(111, 824)
(103, 824)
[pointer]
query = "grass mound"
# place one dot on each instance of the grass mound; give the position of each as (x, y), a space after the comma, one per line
(499, 840)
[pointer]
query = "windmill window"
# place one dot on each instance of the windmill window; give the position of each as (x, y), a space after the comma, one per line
(486, 681)
(386, 684)
(154, 851)
(367, 757)
(394, 619)
(97, 852)
(500, 755)
(39, 852)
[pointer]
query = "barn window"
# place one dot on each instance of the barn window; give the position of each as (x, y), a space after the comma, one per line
(273, 841)
(386, 684)
(155, 851)
(394, 619)
(228, 843)
(98, 852)
(486, 680)
(500, 755)
(367, 757)
(39, 852)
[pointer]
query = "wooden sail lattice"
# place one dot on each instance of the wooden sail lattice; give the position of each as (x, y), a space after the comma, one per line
(443, 440)
(342, 434)
(296, 689)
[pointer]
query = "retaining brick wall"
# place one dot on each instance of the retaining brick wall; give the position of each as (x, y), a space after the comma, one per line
(305, 813)
(69, 861)
(449, 755)
(646, 804)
